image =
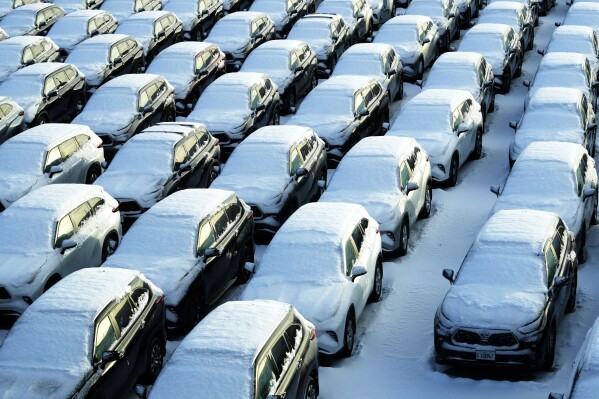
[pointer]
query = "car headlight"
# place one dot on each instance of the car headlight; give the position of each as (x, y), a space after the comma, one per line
(444, 322)
(532, 326)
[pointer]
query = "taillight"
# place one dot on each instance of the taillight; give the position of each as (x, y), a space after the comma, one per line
(21, 113)
(313, 334)
(251, 215)
(160, 299)
(116, 209)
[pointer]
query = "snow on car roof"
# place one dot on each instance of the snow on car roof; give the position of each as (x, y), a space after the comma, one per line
(394, 147)
(287, 45)
(247, 16)
(572, 30)
(186, 48)
(245, 79)
(40, 69)
(218, 355)
(50, 134)
(133, 81)
(504, 5)
(283, 135)
(193, 204)
(368, 48)
(181, 128)
(583, 6)
(156, 137)
(555, 95)
(21, 40)
(458, 58)
(559, 59)
(148, 15)
(488, 28)
(57, 199)
(408, 20)
(84, 14)
(440, 97)
(34, 7)
(552, 153)
(345, 84)
(104, 39)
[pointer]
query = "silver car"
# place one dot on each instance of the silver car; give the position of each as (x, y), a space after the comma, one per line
(74, 28)
(11, 118)
(20, 51)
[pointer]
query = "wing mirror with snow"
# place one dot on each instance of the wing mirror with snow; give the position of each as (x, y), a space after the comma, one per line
(54, 170)
(495, 189)
(357, 271)
(449, 275)
(426, 40)
(588, 192)
(412, 186)
(211, 252)
(299, 172)
(67, 244)
(513, 125)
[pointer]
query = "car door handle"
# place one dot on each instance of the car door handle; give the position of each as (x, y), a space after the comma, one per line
(142, 325)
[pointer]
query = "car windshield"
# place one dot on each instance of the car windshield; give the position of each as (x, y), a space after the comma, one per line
(327, 103)
(483, 43)
(257, 159)
(309, 31)
(335, 7)
(571, 44)
(380, 177)
(565, 77)
(433, 10)
(143, 157)
(21, 158)
(397, 34)
(84, 55)
(553, 118)
(118, 5)
(18, 19)
(227, 29)
(20, 86)
(10, 56)
(116, 100)
(183, 6)
(263, 61)
(459, 77)
(223, 98)
(583, 18)
(424, 118)
(531, 177)
(69, 26)
(359, 64)
(172, 66)
(136, 28)
(269, 6)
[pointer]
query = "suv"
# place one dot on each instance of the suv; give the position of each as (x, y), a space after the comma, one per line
(34, 19)
(194, 244)
(20, 51)
(356, 13)
(510, 295)
(48, 154)
(248, 350)
(11, 118)
(106, 328)
(50, 233)
(576, 39)
(514, 14)
(198, 16)
(445, 15)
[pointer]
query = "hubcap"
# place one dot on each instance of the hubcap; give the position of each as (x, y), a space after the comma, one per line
(378, 281)
(404, 237)
(427, 200)
(311, 392)
(110, 247)
(156, 360)
(349, 336)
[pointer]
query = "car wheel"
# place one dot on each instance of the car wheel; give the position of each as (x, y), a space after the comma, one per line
(51, 281)
(42, 119)
(78, 104)
(92, 174)
(195, 310)
(137, 68)
(332, 63)
(322, 176)
(425, 212)
(199, 34)
(377, 284)
(355, 39)
(594, 215)
(155, 358)
(518, 72)
(169, 116)
(404, 237)
(467, 19)
(311, 391)
(583, 239)
(420, 68)
(276, 118)
(549, 351)
(109, 247)
(507, 81)
(399, 94)
(313, 81)
(531, 43)
(212, 175)
(246, 255)
(571, 306)
(349, 335)
(478, 145)
(453, 170)
(291, 102)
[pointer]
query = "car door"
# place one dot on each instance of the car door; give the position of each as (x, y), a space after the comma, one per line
(356, 253)
(559, 293)
(194, 159)
(64, 84)
(588, 204)
(416, 165)
(428, 49)
(51, 103)
(284, 355)
(362, 116)
(264, 116)
(73, 162)
(406, 176)
(302, 182)
(86, 236)
(71, 259)
(509, 45)
(296, 69)
(310, 163)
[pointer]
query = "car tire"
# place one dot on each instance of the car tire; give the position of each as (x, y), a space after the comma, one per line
(477, 153)
(518, 72)
(420, 69)
(314, 80)
(92, 174)
(531, 43)
(404, 237)
(349, 334)
(42, 119)
(583, 239)
(332, 63)
(594, 215)
(111, 243)
(154, 361)
(245, 255)
(399, 94)
(195, 309)
(311, 391)
(136, 67)
(354, 38)
(507, 81)
(77, 105)
(549, 348)
(199, 34)
(211, 174)
(291, 101)
(169, 116)
(425, 212)
(492, 104)
(571, 306)
(377, 284)
(453, 171)
(466, 23)
(51, 281)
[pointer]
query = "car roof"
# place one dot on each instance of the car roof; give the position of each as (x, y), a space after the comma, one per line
(21, 40)
(186, 48)
(459, 58)
(193, 204)
(84, 14)
(368, 48)
(560, 59)
(148, 15)
(40, 69)
(132, 81)
(279, 135)
(489, 28)
(107, 39)
(552, 154)
(287, 45)
(34, 7)
(449, 97)
(407, 20)
(247, 16)
(246, 79)
(555, 95)
(378, 148)
(504, 5)
(573, 30)
(50, 134)
(345, 84)
(222, 348)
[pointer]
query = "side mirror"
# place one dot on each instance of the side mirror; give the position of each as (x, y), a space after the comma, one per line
(512, 51)
(541, 51)
(260, 107)
(364, 223)
(258, 36)
(554, 395)
(495, 189)
(67, 244)
(419, 83)
(526, 83)
(299, 172)
(591, 127)
(560, 281)
(299, 69)
(391, 72)
(364, 112)
(41, 24)
(183, 167)
(513, 125)
(451, 15)
(30, 62)
(334, 38)
(211, 252)
(412, 186)
(250, 266)
(449, 275)
(463, 128)
(104, 165)
(52, 93)
(588, 192)
(111, 356)
(558, 24)
(488, 83)
(426, 40)
(54, 170)
(94, 32)
(160, 34)
(147, 109)
(358, 271)
(359, 15)
(202, 72)
(452, 48)
(595, 85)
(204, 12)
(117, 60)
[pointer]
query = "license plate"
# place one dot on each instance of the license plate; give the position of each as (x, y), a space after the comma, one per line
(485, 355)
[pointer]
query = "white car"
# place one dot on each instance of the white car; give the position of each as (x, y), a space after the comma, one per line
(122, 9)
(356, 13)
(575, 39)
(11, 118)
(382, 11)
(50, 233)
(555, 114)
(7, 6)
(74, 28)
(48, 154)
(283, 13)
(158, 161)
(21, 51)
(72, 6)
(464, 71)
(584, 14)
(198, 16)
(445, 15)
(514, 14)
(376, 60)
(31, 19)
(448, 124)
(325, 260)
(416, 40)
(556, 177)
(276, 170)
(391, 178)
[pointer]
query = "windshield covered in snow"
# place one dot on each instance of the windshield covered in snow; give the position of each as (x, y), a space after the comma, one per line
(141, 157)
(221, 98)
(10, 56)
(452, 77)
(327, 103)
(526, 179)
(257, 159)
(226, 29)
(18, 19)
(263, 61)
(433, 10)
(359, 64)
(26, 231)
(500, 17)
(117, 100)
(172, 66)
(403, 33)
(552, 118)
(83, 55)
(565, 77)
(21, 157)
(136, 28)
(21, 86)
(483, 43)
(69, 26)
(573, 44)
(424, 118)
(307, 30)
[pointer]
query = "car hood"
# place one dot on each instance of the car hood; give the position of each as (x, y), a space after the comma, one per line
(13, 31)
(331, 129)
(267, 192)
(19, 269)
(14, 187)
(6, 71)
(539, 133)
(145, 189)
(434, 143)
(566, 208)
(383, 207)
(320, 47)
(181, 83)
(102, 123)
(21, 382)
(68, 42)
(492, 307)
(226, 121)
(94, 73)
(496, 62)
(231, 44)
(408, 52)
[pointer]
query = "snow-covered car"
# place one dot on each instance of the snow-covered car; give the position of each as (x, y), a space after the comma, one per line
(74, 28)
(106, 328)
(382, 11)
(467, 9)
(501, 47)
(155, 30)
(11, 118)
(583, 380)
(415, 38)
(71, 6)
(194, 245)
(509, 297)
(448, 124)
(445, 15)
(584, 14)
(31, 20)
(391, 178)
(345, 243)
(48, 154)
(464, 71)
(126, 105)
(567, 70)
(327, 35)
(343, 110)
(556, 177)
(20, 51)
(533, 6)
(292, 66)
(555, 114)
(50, 233)
(122, 9)
(357, 14)
(198, 16)
(189, 67)
(158, 161)
(575, 39)
(235, 105)
(377, 60)
(237, 34)
(7, 6)
(516, 15)
(247, 350)
(276, 170)
(284, 13)
(105, 57)
(48, 92)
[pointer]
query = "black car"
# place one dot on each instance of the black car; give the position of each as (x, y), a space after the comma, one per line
(34, 19)
(284, 13)
(235, 105)
(105, 57)
(189, 67)
(194, 244)
(106, 328)
(331, 40)
(506, 303)
(198, 16)
(48, 92)
(291, 64)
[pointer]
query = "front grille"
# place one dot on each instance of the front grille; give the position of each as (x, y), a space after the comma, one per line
(466, 337)
(257, 212)
(503, 339)
(127, 206)
(106, 139)
(4, 294)
(473, 338)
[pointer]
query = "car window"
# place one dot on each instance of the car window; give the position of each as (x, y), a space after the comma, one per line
(412, 158)
(233, 211)
(456, 119)
(580, 178)
(205, 238)
(64, 231)
(6, 109)
(202, 138)
(131, 43)
(68, 148)
(305, 149)
(219, 222)
(558, 241)
(91, 25)
(80, 215)
(551, 261)
(27, 55)
(123, 314)
(465, 108)
(358, 237)
(96, 204)
(139, 298)
(295, 161)
(70, 72)
(123, 47)
(264, 377)
(180, 154)
(114, 52)
(351, 255)
(359, 103)
(191, 147)
(49, 85)
(53, 158)
(36, 49)
(404, 175)
(254, 98)
(294, 63)
(82, 139)
(279, 353)
(104, 339)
